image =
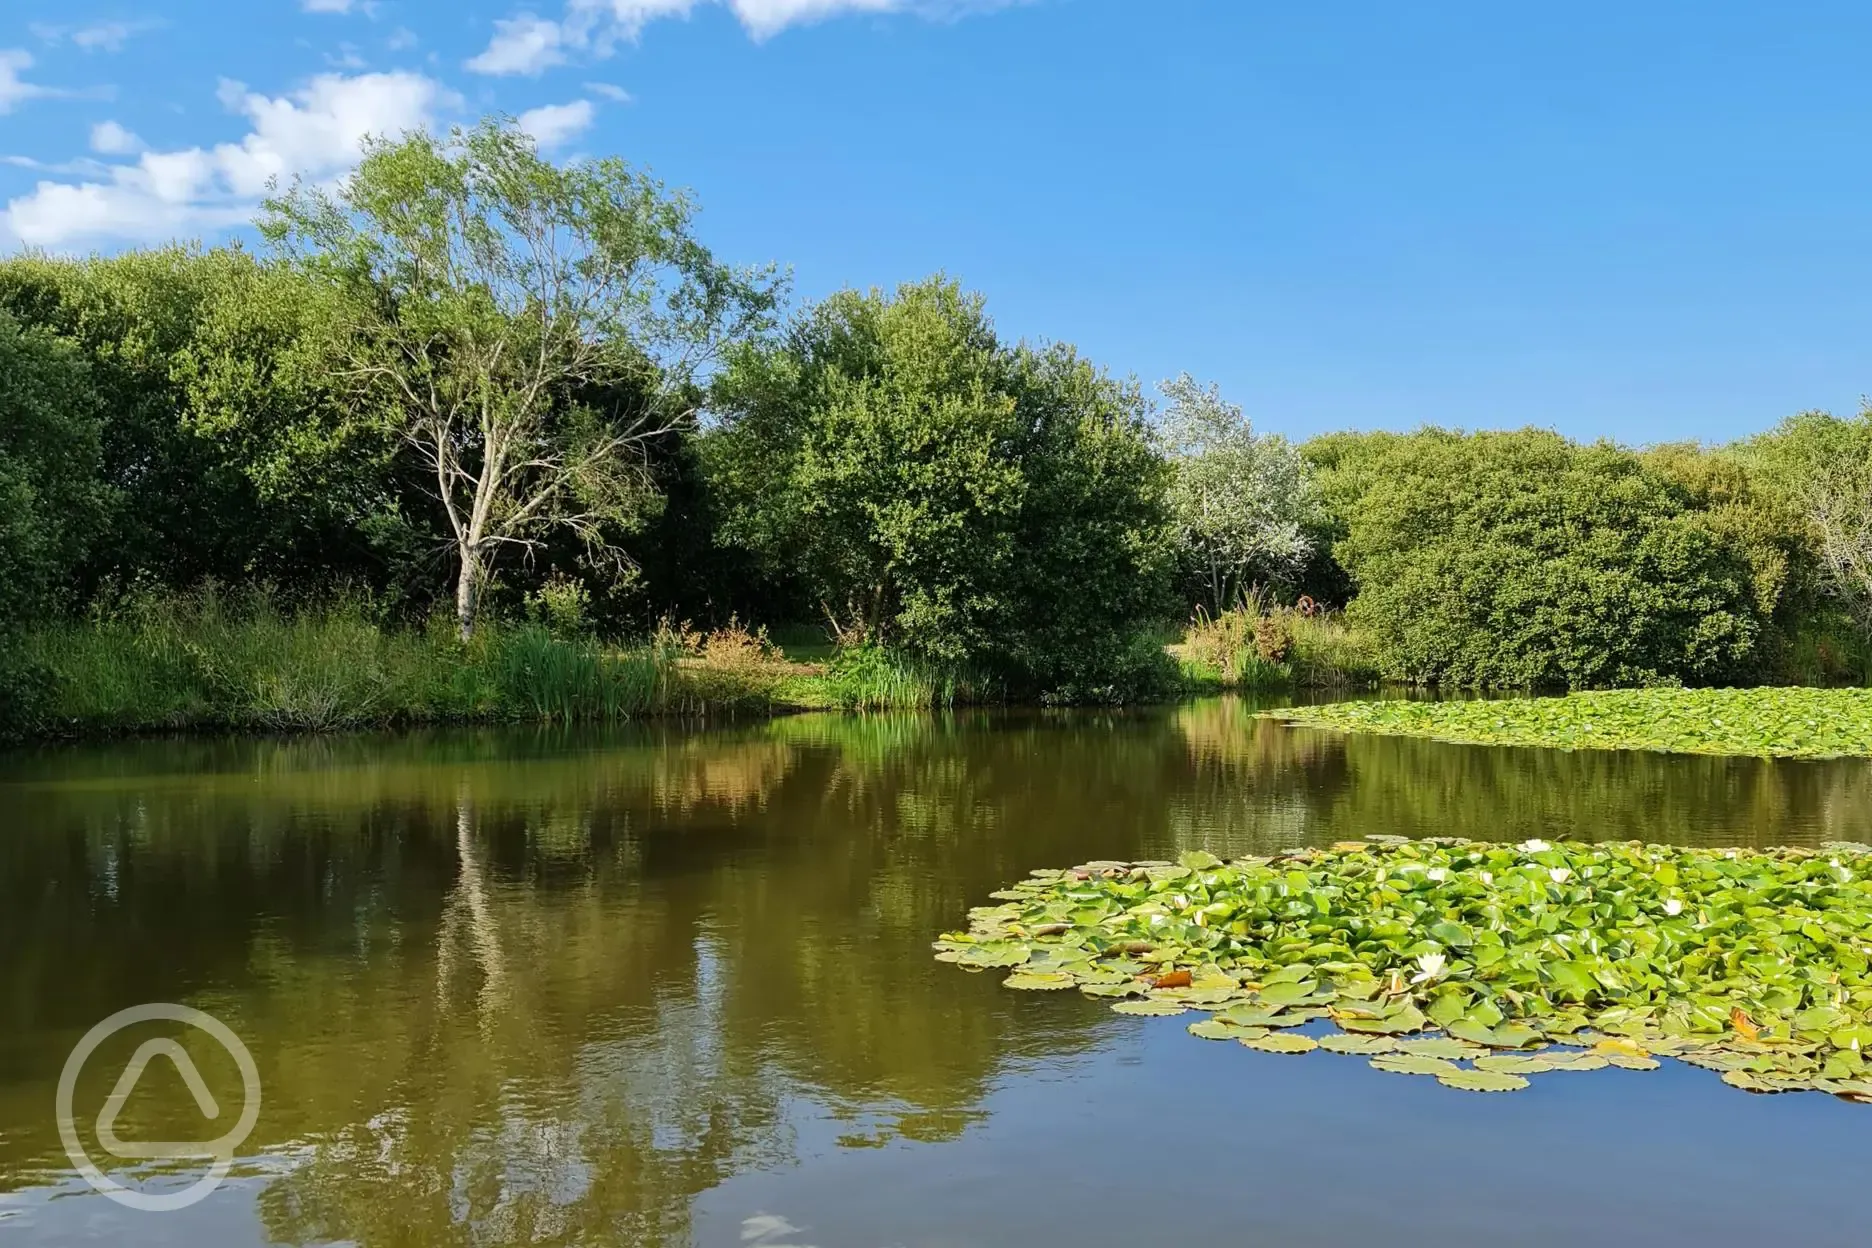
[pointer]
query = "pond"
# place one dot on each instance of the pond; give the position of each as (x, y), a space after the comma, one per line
(664, 985)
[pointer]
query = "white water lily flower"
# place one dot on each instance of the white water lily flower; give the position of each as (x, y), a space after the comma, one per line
(1673, 907)
(1437, 874)
(1535, 846)
(1559, 875)
(1429, 966)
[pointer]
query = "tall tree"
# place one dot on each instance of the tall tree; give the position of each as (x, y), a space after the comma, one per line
(535, 327)
(51, 496)
(228, 448)
(937, 492)
(1823, 464)
(1241, 499)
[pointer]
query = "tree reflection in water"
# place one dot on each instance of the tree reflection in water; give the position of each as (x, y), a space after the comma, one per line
(549, 987)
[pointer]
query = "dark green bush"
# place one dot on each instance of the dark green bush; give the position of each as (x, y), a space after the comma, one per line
(969, 505)
(50, 489)
(1524, 560)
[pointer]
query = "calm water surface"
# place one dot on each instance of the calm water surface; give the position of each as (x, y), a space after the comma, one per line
(657, 986)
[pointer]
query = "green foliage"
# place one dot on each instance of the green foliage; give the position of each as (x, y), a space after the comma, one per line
(1261, 645)
(50, 492)
(870, 678)
(227, 445)
(539, 676)
(968, 504)
(1244, 503)
(533, 327)
(1523, 560)
(1616, 951)
(1820, 466)
(562, 606)
(1782, 723)
(211, 659)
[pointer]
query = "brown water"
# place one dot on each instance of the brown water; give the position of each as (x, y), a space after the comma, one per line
(664, 986)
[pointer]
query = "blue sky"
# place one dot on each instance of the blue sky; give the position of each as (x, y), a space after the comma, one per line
(1646, 221)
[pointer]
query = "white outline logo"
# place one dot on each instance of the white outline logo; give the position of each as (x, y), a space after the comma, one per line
(220, 1150)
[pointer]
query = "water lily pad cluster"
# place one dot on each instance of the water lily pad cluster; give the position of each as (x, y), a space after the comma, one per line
(1480, 965)
(1781, 723)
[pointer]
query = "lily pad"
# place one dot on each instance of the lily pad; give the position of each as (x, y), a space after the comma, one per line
(1209, 1029)
(1281, 1043)
(1408, 1064)
(1749, 1083)
(1626, 1061)
(1439, 1046)
(1365, 1045)
(1286, 993)
(1122, 988)
(1483, 1081)
(1749, 963)
(1780, 722)
(1513, 1064)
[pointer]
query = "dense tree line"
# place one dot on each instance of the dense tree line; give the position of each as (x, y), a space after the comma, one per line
(471, 378)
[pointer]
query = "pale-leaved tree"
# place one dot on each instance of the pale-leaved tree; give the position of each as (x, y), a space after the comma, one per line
(1241, 500)
(534, 326)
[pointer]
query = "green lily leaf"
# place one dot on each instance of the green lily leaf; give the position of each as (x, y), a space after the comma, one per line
(1281, 1044)
(1482, 1081)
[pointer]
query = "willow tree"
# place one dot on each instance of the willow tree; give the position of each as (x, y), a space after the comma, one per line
(535, 328)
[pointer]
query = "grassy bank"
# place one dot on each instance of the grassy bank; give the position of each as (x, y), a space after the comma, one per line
(209, 661)
(1777, 722)
(1261, 647)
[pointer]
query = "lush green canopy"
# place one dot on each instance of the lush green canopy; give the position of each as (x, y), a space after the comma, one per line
(1522, 559)
(929, 488)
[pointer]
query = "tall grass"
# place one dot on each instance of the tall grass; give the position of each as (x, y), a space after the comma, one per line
(1262, 646)
(871, 678)
(213, 660)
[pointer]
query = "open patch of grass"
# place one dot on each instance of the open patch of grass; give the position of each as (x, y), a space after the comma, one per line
(1779, 723)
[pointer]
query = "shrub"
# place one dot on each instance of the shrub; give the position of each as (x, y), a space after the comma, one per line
(1262, 645)
(966, 505)
(562, 606)
(1274, 637)
(1521, 560)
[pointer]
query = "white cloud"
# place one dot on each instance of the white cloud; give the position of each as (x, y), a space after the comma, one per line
(610, 91)
(95, 37)
(327, 6)
(528, 43)
(769, 17)
(111, 139)
(314, 132)
(13, 88)
(83, 165)
(400, 39)
(109, 36)
(552, 125)
(523, 44)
